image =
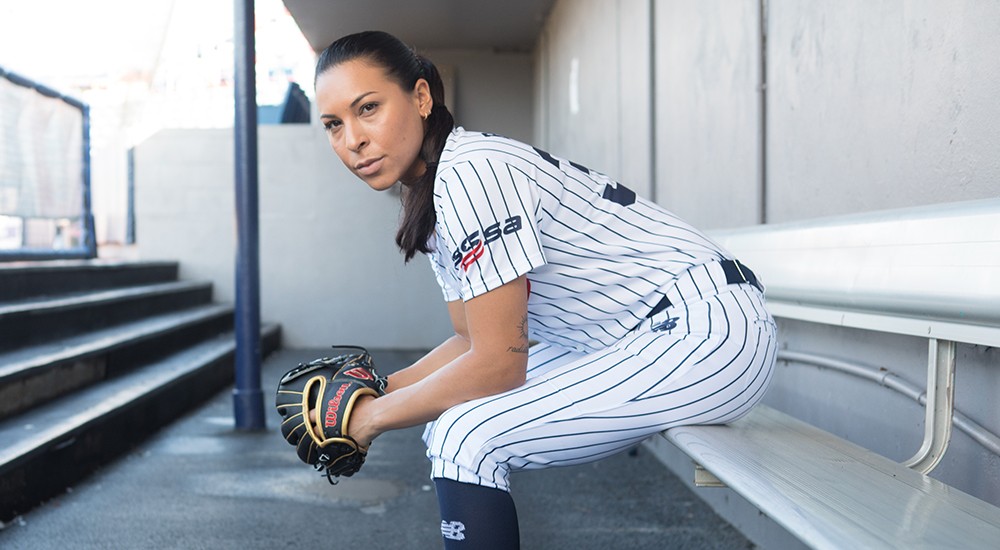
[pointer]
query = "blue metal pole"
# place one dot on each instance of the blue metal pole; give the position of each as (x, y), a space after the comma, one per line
(248, 399)
(90, 237)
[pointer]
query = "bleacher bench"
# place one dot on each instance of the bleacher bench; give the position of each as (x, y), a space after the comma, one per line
(931, 272)
(831, 493)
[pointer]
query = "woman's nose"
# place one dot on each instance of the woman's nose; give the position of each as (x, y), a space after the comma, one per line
(355, 137)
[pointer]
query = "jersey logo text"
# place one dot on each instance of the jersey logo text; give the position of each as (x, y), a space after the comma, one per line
(472, 247)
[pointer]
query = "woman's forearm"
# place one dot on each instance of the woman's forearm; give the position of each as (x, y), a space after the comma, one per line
(444, 353)
(468, 377)
(488, 355)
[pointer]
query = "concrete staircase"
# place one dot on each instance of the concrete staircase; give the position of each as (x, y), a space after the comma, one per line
(95, 356)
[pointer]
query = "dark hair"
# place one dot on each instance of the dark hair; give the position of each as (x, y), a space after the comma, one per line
(404, 66)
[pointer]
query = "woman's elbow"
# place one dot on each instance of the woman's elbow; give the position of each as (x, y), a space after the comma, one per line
(514, 371)
(500, 371)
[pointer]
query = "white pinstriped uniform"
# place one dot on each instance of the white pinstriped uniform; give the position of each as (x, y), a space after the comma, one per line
(598, 259)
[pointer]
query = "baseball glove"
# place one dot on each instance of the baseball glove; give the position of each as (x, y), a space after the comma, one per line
(330, 386)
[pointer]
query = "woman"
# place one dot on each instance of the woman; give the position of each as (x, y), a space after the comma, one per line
(641, 322)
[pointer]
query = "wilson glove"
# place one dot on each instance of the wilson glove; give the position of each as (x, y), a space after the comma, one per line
(330, 386)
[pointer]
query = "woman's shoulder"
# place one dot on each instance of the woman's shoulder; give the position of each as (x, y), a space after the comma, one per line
(471, 146)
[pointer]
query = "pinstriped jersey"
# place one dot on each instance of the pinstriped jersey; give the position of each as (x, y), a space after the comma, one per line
(596, 256)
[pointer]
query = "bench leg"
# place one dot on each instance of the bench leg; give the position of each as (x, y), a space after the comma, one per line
(704, 478)
(939, 406)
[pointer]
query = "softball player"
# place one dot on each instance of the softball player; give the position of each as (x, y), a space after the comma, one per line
(641, 322)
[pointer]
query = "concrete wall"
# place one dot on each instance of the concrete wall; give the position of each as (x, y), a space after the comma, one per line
(708, 111)
(492, 91)
(875, 105)
(330, 270)
(867, 106)
(593, 88)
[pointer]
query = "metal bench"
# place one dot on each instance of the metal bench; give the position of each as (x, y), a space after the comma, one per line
(932, 272)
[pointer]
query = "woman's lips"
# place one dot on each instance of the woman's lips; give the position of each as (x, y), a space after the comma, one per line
(368, 167)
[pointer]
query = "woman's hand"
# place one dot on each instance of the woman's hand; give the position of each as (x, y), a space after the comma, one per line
(359, 425)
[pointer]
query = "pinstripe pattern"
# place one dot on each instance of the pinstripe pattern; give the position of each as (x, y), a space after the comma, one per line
(598, 258)
(596, 267)
(580, 407)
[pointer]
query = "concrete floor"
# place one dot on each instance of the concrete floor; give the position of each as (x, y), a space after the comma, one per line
(200, 484)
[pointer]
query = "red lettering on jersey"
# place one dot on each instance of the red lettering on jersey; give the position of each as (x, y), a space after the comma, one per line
(472, 245)
(333, 406)
(472, 256)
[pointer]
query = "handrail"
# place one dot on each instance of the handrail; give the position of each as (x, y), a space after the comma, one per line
(976, 431)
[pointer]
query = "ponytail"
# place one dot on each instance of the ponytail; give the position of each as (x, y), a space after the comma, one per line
(417, 224)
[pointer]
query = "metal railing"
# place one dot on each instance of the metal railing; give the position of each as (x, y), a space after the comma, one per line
(879, 375)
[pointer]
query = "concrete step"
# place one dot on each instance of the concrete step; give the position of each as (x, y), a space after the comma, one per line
(44, 450)
(32, 375)
(21, 280)
(41, 319)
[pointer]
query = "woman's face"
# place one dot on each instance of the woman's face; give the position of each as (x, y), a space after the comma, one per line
(373, 124)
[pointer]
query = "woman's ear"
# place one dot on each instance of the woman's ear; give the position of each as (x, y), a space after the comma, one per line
(422, 96)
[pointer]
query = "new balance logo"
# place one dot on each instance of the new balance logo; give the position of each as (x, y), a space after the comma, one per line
(669, 324)
(453, 530)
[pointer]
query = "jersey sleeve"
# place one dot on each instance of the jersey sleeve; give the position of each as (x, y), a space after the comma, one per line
(486, 222)
(450, 286)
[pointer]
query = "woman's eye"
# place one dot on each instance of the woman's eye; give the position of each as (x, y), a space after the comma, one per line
(332, 125)
(368, 107)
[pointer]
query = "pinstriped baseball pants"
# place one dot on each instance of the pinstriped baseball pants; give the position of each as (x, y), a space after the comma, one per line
(707, 359)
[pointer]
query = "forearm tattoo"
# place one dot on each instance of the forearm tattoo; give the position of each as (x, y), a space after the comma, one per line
(523, 326)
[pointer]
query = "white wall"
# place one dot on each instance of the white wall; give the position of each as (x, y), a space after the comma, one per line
(593, 88)
(330, 271)
(492, 90)
(708, 115)
(868, 106)
(875, 105)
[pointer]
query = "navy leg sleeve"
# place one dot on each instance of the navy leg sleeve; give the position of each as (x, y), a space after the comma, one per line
(476, 517)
